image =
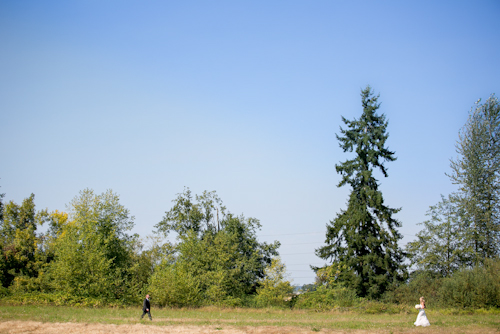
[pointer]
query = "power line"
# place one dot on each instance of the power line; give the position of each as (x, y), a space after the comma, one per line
(274, 235)
(304, 243)
(298, 253)
(300, 277)
(310, 270)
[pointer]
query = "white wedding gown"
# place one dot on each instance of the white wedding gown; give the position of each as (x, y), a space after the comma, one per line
(421, 317)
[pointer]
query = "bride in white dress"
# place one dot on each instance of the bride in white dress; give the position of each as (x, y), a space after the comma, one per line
(421, 317)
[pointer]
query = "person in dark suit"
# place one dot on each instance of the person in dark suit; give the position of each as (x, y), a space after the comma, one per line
(146, 308)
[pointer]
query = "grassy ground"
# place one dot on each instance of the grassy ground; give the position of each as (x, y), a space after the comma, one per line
(281, 320)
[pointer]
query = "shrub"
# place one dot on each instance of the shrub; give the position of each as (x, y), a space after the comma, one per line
(275, 290)
(173, 287)
(376, 307)
(59, 299)
(3, 291)
(327, 298)
(421, 283)
(473, 288)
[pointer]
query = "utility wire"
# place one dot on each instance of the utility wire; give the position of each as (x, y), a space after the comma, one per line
(297, 253)
(303, 243)
(288, 269)
(274, 235)
(300, 277)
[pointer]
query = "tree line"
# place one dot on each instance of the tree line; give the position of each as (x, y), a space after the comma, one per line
(88, 256)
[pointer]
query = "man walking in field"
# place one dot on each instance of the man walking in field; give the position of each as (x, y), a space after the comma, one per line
(146, 308)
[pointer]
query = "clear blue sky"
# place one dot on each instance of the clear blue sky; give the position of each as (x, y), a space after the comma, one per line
(242, 97)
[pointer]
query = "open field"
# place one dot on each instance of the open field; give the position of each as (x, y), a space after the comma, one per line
(51, 319)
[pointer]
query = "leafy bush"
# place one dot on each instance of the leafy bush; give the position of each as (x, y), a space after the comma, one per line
(377, 307)
(174, 287)
(473, 288)
(421, 283)
(92, 253)
(275, 290)
(217, 268)
(59, 299)
(3, 291)
(328, 298)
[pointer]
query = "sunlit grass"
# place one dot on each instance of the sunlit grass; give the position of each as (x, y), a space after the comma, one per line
(447, 320)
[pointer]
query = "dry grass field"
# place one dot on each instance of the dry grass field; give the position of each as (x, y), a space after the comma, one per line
(15, 327)
(50, 319)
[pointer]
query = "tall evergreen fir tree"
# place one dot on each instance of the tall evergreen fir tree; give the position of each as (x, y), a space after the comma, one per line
(363, 240)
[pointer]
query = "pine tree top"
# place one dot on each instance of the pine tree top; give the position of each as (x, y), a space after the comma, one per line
(366, 136)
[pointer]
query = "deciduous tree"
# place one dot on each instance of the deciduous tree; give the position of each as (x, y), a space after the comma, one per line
(19, 241)
(93, 250)
(476, 171)
(218, 254)
(438, 248)
(275, 289)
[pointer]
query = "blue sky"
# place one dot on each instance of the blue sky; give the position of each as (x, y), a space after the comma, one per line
(245, 98)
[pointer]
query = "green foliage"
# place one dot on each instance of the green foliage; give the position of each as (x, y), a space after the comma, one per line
(89, 255)
(364, 238)
(421, 283)
(325, 298)
(218, 259)
(207, 271)
(473, 288)
(21, 248)
(274, 290)
(187, 215)
(437, 247)
(2, 195)
(457, 252)
(3, 264)
(477, 173)
(308, 287)
(3, 292)
(144, 260)
(173, 286)
(59, 299)
(92, 251)
(82, 267)
(468, 288)
(377, 307)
